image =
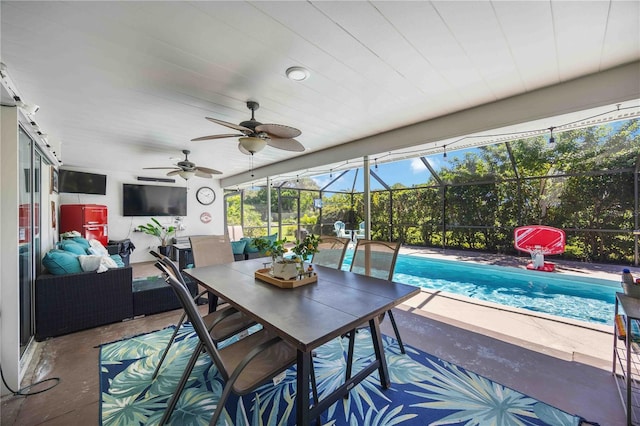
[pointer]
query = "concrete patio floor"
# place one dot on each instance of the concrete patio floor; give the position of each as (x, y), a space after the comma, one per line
(561, 362)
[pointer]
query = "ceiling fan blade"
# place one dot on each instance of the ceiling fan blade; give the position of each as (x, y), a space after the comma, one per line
(243, 129)
(242, 150)
(279, 131)
(206, 138)
(202, 174)
(207, 170)
(175, 172)
(160, 168)
(286, 144)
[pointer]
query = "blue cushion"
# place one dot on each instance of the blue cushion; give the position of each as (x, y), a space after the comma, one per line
(238, 246)
(60, 262)
(118, 259)
(82, 241)
(72, 247)
(249, 247)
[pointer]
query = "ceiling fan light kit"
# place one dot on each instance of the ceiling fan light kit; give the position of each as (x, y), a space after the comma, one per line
(252, 144)
(187, 174)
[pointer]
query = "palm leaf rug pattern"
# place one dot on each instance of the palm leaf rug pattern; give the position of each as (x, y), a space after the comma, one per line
(425, 390)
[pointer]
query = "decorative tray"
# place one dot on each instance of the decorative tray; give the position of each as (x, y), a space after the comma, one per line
(263, 275)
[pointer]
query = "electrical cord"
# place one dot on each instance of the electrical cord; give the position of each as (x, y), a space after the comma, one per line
(25, 390)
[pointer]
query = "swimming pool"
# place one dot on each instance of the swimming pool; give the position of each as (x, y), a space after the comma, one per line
(585, 299)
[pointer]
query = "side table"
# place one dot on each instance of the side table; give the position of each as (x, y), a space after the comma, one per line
(627, 357)
(182, 253)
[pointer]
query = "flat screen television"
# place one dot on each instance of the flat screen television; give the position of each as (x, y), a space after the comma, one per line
(153, 200)
(81, 182)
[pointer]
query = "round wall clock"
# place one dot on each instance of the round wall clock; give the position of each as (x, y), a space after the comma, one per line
(205, 195)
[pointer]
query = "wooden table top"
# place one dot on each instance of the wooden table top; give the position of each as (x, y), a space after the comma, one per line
(306, 316)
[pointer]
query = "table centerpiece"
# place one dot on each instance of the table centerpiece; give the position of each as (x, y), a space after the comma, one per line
(288, 268)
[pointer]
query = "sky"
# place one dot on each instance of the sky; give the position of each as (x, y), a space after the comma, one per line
(408, 172)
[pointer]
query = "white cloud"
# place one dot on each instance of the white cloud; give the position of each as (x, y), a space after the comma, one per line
(417, 166)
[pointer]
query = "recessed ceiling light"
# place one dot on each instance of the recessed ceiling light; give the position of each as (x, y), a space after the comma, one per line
(297, 73)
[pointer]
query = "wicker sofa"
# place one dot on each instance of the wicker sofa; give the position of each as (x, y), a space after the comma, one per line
(74, 302)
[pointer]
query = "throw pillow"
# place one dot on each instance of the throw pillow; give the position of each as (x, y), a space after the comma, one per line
(118, 259)
(89, 263)
(82, 241)
(96, 263)
(97, 248)
(71, 246)
(107, 262)
(238, 246)
(249, 247)
(59, 262)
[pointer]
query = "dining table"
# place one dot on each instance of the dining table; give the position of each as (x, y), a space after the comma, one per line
(309, 316)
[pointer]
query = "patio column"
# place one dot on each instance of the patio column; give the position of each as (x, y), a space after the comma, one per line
(268, 205)
(367, 198)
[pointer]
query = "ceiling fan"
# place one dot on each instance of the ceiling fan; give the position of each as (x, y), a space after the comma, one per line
(254, 136)
(187, 169)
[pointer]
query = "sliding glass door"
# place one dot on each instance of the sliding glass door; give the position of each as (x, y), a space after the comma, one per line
(29, 230)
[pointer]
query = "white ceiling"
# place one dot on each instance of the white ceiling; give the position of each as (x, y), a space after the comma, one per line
(126, 85)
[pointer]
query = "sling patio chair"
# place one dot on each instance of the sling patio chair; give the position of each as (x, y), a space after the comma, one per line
(331, 251)
(244, 365)
(374, 259)
(211, 250)
(227, 321)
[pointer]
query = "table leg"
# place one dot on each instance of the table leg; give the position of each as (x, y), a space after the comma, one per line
(302, 393)
(383, 371)
(213, 302)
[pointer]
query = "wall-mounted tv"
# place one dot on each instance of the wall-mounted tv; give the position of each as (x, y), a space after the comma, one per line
(81, 182)
(153, 200)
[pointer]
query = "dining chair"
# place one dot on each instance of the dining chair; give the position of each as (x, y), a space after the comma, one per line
(331, 251)
(227, 320)
(374, 259)
(210, 250)
(244, 365)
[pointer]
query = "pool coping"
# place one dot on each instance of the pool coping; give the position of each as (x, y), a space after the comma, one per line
(563, 338)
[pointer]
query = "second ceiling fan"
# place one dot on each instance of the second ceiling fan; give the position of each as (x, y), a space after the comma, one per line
(187, 169)
(254, 136)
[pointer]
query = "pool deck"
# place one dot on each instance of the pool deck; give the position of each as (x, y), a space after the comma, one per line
(562, 338)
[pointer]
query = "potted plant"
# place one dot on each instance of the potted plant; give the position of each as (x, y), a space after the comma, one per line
(156, 229)
(305, 249)
(281, 267)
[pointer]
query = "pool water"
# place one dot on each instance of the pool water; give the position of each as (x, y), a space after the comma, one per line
(585, 299)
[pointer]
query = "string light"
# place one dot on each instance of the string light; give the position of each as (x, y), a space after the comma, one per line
(508, 136)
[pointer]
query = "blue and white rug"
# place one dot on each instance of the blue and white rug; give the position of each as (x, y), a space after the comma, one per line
(424, 390)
